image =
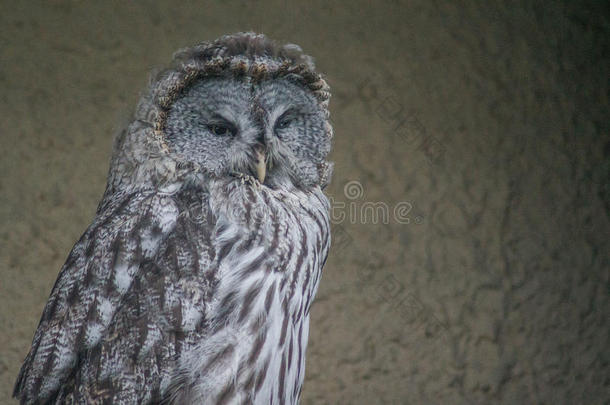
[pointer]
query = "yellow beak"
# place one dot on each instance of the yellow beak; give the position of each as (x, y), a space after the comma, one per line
(261, 165)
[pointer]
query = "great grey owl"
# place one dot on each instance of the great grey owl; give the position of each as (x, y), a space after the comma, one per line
(195, 280)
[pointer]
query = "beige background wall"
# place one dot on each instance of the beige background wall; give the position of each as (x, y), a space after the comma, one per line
(485, 123)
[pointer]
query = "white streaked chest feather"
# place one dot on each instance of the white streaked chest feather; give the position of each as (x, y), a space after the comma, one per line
(270, 247)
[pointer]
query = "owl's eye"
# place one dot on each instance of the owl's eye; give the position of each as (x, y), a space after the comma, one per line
(222, 129)
(283, 123)
(285, 120)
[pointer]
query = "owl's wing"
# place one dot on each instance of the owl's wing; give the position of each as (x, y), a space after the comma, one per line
(100, 270)
(163, 313)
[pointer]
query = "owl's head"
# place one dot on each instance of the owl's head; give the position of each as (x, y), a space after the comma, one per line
(240, 104)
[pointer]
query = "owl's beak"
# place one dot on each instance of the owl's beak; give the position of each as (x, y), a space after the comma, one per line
(261, 165)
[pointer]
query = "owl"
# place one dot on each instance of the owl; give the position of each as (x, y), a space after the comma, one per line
(195, 280)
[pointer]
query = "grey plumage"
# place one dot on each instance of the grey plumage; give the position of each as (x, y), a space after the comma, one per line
(194, 282)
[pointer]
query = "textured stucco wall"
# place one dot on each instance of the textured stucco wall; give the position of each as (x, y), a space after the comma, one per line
(481, 128)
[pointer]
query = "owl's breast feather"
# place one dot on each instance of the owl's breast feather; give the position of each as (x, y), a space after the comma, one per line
(270, 246)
